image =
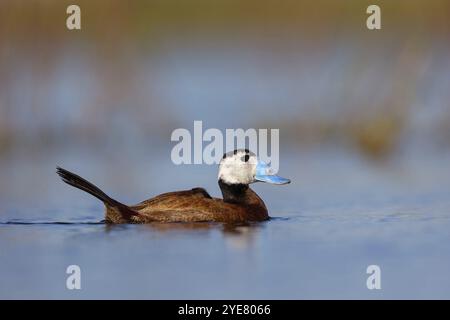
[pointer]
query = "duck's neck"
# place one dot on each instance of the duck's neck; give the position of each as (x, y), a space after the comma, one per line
(239, 193)
(234, 193)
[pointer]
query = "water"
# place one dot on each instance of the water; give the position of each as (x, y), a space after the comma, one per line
(105, 107)
(341, 214)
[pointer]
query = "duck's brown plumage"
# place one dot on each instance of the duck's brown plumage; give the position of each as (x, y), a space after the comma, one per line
(239, 204)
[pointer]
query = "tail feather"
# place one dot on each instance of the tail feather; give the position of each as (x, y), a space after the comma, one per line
(82, 184)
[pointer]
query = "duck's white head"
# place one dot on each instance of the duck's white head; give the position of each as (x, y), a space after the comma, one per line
(243, 167)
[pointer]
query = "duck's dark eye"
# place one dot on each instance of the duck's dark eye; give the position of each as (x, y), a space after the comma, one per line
(247, 151)
(245, 158)
(235, 152)
(224, 156)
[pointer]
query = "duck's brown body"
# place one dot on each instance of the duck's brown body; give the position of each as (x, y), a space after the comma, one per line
(239, 204)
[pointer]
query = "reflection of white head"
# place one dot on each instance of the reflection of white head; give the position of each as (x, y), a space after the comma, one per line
(243, 167)
(238, 167)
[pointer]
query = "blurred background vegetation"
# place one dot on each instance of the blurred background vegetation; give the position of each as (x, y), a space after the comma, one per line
(140, 69)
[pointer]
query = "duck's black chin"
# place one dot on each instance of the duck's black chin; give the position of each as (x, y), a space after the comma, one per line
(233, 193)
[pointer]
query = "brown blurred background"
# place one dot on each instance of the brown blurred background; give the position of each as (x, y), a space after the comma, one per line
(140, 69)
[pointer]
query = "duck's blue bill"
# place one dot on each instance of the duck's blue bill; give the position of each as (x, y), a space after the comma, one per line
(264, 174)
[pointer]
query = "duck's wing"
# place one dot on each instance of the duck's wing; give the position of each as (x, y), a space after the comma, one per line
(194, 205)
(173, 199)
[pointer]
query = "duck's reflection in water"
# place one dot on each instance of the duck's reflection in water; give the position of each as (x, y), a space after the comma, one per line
(243, 236)
(237, 236)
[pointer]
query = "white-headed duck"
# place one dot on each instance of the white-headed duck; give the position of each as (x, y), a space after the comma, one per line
(237, 170)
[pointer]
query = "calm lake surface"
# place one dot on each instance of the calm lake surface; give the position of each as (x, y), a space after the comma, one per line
(104, 101)
(341, 214)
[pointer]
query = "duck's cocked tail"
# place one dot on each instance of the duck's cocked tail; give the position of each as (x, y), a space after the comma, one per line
(114, 209)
